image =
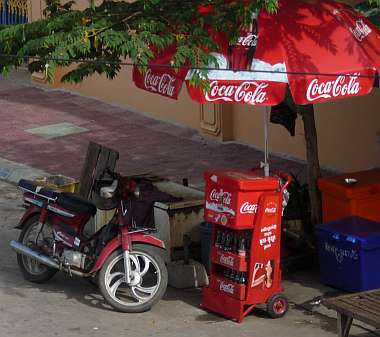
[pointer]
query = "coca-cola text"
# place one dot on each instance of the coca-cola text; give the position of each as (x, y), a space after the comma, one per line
(226, 260)
(221, 196)
(227, 287)
(249, 40)
(361, 30)
(270, 210)
(341, 86)
(248, 208)
(162, 83)
(249, 92)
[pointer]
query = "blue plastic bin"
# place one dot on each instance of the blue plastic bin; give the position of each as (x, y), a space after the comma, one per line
(349, 253)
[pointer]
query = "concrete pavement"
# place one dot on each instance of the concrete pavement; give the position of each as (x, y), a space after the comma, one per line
(71, 307)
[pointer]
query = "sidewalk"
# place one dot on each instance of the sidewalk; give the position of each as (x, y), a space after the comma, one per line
(33, 119)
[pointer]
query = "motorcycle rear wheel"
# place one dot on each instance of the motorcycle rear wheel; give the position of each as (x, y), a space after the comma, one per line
(149, 280)
(32, 270)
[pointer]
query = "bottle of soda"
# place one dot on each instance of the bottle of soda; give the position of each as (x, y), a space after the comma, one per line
(222, 240)
(228, 242)
(218, 238)
(232, 275)
(235, 242)
(243, 278)
(238, 276)
(242, 250)
(226, 273)
(248, 242)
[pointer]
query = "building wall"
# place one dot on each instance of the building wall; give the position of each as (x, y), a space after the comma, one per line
(122, 91)
(348, 130)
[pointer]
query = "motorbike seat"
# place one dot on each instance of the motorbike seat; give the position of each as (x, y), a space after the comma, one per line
(75, 203)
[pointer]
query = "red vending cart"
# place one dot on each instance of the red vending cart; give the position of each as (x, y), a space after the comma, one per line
(245, 208)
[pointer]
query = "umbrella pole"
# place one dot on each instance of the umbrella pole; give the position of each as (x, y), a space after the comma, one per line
(265, 164)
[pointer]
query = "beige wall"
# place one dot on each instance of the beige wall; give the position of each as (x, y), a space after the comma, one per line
(348, 130)
(35, 9)
(122, 91)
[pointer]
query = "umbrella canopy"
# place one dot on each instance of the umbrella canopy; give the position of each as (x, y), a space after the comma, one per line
(321, 50)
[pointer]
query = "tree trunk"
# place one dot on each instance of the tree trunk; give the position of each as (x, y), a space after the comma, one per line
(313, 169)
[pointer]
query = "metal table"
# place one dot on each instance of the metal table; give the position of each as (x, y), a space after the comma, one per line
(363, 306)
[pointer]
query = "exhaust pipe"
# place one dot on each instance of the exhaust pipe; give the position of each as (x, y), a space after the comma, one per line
(25, 250)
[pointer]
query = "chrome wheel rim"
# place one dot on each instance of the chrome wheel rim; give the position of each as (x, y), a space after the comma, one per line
(144, 284)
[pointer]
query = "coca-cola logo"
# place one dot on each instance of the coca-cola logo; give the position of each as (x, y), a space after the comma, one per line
(361, 30)
(221, 196)
(227, 260)
(249, 92)
(162, 83)
(341, 86)
(248, 208)
(249, 40)
(227, 287)
(270, 208)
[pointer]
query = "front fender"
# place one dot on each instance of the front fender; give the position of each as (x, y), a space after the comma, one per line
(148, 239)
(115, 243)
(110, 247)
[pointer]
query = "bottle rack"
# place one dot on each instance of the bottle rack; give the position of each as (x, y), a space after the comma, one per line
(229, 262)
(251, 253)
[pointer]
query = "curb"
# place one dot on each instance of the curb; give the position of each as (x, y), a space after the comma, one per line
(12, 172)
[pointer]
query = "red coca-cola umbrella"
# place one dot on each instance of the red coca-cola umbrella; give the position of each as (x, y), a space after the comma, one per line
(321, 50)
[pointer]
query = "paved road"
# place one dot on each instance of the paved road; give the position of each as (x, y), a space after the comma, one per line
(72, 307)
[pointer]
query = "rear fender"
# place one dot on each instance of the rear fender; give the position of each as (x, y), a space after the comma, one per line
(116, 243)
(31, 211)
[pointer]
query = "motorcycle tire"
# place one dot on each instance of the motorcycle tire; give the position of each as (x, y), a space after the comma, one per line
(45, 273)
(105, 273)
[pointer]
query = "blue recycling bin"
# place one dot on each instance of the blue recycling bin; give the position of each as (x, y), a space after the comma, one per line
(349, 253)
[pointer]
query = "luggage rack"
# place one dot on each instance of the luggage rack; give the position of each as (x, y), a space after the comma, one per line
(28, 186)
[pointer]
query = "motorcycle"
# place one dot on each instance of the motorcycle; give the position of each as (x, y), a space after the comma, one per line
(123, 256)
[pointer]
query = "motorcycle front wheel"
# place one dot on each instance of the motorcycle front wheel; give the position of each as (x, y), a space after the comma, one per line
(149, 279)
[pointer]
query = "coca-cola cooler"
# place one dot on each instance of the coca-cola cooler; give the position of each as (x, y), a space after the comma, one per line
(245, 209)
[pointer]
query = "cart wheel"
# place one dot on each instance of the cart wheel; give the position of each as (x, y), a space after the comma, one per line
(277, 306)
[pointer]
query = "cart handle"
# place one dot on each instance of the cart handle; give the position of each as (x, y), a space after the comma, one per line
(286, 176)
